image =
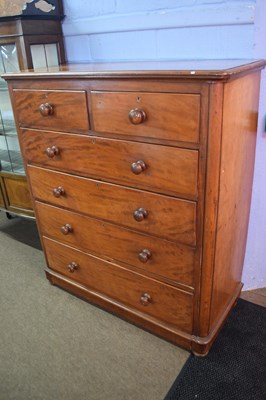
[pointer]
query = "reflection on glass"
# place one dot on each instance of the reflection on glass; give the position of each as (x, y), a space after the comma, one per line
(9, 57)
(44, 55)
(15, 154)
(10, 156)
(52, 55)
(7, 116)
(1, 64)
(38, 56)
(4, 155)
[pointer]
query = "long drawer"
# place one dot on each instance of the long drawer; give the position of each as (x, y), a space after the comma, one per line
(161, 168)
(161, 301)
(157, 256)
(62, 110)
(158, 215)
(165, 116)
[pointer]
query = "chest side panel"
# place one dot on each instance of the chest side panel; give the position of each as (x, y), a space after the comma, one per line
(235, 188)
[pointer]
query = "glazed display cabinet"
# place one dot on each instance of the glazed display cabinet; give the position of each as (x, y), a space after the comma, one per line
(25, 43)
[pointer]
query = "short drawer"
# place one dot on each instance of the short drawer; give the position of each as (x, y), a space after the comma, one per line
(144, 252)
(160, 168)
(52, 109)
(160, 301)
(158, 215)
(164, 116)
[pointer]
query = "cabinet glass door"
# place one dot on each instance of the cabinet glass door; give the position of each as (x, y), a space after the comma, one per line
(44, 55)
(10, 156)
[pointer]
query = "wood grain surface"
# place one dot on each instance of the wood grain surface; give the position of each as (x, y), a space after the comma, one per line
(167, 303)
(168, 169)
(69, 109)
(168, 259)
(168, 116)
(143, 196)
(236, 177)
(168, 217)
(16, 194)
(2, 202)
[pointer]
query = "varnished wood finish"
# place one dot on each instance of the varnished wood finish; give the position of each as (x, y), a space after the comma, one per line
(46, 109)
(18, 27)
(2, 201)
(66, 229)
(58, 191)
(52, 152)
(185, 70)
(176, 336)
(145, 211)
(145, 255)
(137, 167)
(179, 120)
(168, 217)
(137, 115)
(211, 207)
(16, 194)
(168, 169)
(72, 267)
(123, 286)
(169, 260)
(68, 109)
(236, 176)
(201, 345)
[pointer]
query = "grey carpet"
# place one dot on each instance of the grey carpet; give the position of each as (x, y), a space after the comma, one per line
(235, 368)
(54, 346)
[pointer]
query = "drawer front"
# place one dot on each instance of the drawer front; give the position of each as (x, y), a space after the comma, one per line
(56, 110)
(144, 252)
(158, 300)
(158, 215)
(160, 168)
(166, 116)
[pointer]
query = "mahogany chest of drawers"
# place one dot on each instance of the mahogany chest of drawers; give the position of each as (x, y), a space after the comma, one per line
(141, 181)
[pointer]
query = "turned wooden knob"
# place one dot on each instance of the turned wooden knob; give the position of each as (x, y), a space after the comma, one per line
(66, 229)
(137, 116)
(138, 166)
(145, 299)
(140, 214)
(46, 109)
(58, 191)
(52, 151)
(72, 267)
(144, 255)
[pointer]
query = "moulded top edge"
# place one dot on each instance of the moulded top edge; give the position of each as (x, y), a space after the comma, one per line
(196, 69)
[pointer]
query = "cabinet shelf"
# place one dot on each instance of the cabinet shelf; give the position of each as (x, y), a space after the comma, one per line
(23, 45)
(11, 162)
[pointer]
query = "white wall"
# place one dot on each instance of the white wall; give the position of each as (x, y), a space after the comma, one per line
(115, 30)
(254, 274)
(158, 29)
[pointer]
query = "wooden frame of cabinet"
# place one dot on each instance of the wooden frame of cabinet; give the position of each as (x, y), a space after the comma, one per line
(24, 32)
